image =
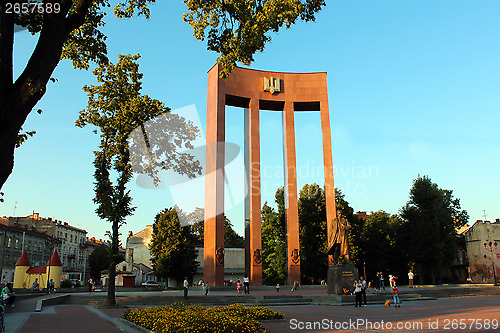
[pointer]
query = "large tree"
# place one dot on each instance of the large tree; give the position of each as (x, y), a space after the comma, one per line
(117, 108)
(428, 235)
(313, 234)
(274, 251)
(378, 249)
(72, 29)
(231, 237)
(99, 260)
(172, 247)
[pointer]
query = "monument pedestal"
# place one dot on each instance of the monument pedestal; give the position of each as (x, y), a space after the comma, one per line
(340, 279)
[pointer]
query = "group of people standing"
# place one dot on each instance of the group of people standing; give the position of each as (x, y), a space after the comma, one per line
(360, 292)
(360, 289)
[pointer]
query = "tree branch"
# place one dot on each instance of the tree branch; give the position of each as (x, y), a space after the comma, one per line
(6, 47)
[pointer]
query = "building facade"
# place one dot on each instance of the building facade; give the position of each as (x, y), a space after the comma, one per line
(69, 241)
(14, 241)
(138, 260)
(483, 251)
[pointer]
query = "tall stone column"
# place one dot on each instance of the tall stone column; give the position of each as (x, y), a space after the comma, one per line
(292, 212)
(328, 168)
(213, 271)
(254, 194)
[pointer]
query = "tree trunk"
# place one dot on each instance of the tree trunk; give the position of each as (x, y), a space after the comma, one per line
(111, 301)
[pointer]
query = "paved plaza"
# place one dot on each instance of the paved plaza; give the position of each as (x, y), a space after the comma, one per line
(431, 314)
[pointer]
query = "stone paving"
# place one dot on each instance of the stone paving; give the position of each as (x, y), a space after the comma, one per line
(464, 314)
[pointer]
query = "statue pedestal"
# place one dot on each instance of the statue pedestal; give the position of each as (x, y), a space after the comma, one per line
(341, 279)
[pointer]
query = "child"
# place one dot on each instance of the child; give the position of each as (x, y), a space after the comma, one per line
(395, 294)
(278, 288)
(207, 288)
(238, 286)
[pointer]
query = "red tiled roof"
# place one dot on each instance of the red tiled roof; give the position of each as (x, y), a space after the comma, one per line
(36, 270)
(54, 260)
(23, 260)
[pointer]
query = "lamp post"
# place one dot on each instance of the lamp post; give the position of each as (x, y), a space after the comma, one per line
(51, 243)
(492, 246)
(83, 248)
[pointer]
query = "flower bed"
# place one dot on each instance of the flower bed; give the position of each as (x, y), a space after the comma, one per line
(181, 318)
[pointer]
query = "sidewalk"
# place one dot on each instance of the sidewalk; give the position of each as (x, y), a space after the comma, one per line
(81, 317)
(60, 318)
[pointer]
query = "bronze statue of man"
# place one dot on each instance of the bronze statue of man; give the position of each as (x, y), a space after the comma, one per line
(338, 244)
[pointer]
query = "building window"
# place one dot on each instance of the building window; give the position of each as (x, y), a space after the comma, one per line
(16, 245)
(65, 235)
(70, 238)
(9, 241)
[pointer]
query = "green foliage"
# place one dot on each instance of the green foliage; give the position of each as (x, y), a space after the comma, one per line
(428, 232)
(378, 247)
(274, 251)
(237, 29)
(66, 284)
(23, 137)
(231, 238)
(117, 107)
(197, 221)
(172, 247)
(197, 319)
(313, 233)
(99, 260)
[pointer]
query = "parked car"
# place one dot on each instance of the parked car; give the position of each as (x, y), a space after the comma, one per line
(76, 283)
(152, 284)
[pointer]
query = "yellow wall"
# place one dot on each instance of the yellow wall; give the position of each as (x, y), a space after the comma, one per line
(24, 280)
(19, 276)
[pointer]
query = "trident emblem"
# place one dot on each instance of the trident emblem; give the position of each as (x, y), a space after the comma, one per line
(272, 85)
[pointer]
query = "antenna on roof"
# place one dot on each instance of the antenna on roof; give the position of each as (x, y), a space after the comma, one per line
(15, 206)
(484, 213)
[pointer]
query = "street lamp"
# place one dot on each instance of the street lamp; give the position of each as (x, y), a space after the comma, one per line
(51, 243)
(492, 247)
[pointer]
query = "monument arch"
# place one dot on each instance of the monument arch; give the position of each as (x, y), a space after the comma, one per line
(255, 90)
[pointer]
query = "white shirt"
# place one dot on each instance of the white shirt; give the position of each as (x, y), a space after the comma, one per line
(246, 280)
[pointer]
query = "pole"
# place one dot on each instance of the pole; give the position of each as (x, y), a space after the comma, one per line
(3, 253)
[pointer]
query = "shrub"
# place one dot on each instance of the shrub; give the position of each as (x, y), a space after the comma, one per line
(66, 283)
(181, 318)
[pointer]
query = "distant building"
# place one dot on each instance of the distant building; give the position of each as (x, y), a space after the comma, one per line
(483, 251)
(14, 240)
(70, 240)
(138, 259)
(362, 215)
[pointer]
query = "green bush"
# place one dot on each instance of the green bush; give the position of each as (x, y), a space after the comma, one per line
(66, 284)
(181, 318)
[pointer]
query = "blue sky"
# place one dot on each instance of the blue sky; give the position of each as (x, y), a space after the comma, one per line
(413, 89)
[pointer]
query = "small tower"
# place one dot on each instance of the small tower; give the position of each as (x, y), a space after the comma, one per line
(54, 269)
(22, 266)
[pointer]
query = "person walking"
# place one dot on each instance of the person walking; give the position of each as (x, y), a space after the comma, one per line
(382, 280)
(207, 288)
(410, 279)
(357, 293)
(377, 282)
(246, 283)
(277, 287)
(91, 285)
(395, 294)
(363, 290)
(186, 287)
